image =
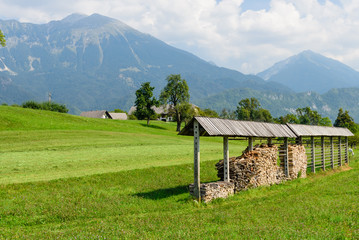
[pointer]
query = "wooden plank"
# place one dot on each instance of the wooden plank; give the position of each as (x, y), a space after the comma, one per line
(323, 153)
(339, 151)
(346, 151)
(286, 167)
(331, 152)
(313, 154)
(197, 181)
(226, 159)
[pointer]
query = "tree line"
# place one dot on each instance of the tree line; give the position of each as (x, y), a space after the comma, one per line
(176, 94)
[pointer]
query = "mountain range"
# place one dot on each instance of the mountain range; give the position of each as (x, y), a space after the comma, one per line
(95, 62)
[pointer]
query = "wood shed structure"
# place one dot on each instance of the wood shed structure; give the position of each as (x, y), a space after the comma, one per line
(328, 145)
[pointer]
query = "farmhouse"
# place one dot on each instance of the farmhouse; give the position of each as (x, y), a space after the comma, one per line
(96, 114)
(164, 112)
(286, 153)
(118, 116)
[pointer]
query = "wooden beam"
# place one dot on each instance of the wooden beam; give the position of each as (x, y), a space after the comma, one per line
(197, 181)
(286, 165)
(313, 155)
(226, 159)
(323, 153)
(331, 152)
(346, 151)
(250, 143)
(339, 151)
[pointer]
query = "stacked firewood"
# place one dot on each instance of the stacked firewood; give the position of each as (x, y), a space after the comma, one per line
(297, 161)
(213, 190)
(253, 168)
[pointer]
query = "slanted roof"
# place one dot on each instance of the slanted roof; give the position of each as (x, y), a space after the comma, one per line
(163, 109)
(118, 116)
(95, 114)
(235, 128)
(315, 131)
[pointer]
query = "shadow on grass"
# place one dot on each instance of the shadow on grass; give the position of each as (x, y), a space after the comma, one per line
(163, 193)
(152, 126)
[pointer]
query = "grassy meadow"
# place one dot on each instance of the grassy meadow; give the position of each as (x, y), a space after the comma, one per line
(68, 177)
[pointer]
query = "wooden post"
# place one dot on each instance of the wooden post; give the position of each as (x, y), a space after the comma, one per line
(298, 140)
(346, 151)
(339, 151)
(197, 182)
(226, 159)
(269, 141)
(331, 152)
(313, 155)
(286, 167)
(323, 153)
(250, 143)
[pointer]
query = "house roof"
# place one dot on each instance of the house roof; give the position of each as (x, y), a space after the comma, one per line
(235, 128)
(158, 110)
(95, 114)
(119, 116)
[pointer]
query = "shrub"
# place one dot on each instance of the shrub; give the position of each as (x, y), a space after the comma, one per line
(55, 107)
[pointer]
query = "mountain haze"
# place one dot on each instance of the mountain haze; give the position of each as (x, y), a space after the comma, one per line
(309, 71)
(95, 62)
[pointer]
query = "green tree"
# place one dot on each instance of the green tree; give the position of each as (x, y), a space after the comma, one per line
(250, 110)
(345, 120)
(176, 94)
(309, 117)
(2, 39)
(228, 114)
(144, 102)
(289, 118)
(208, 113)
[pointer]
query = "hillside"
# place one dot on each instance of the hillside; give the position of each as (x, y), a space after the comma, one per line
(280, 104)
(68, 177)
(310, 71)
(95, 62)
(41, 145)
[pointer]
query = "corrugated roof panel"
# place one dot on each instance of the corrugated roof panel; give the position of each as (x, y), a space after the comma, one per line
(235, 128)
(226, 127)
(309, 130)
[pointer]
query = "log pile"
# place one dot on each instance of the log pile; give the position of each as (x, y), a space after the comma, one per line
(210, 191)
(259, 167)
(253, 168)
(297, 161)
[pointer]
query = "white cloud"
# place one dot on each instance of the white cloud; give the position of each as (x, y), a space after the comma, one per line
(220, 31)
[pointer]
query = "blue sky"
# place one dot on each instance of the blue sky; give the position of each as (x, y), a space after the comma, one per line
(246, 35)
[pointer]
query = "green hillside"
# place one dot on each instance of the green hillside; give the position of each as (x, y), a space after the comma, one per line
(68, 177)
(41, 145)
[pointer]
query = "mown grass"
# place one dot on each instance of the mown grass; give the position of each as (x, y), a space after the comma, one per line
(152, 202)
(42, 145)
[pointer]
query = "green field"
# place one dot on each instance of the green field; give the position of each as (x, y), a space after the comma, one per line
(64, 176)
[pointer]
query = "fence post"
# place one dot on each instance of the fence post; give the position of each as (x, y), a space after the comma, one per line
(226, 159)
(331, 152)
(323, 153)
(286, 167)
(197, 182)
(339, 151)
(346, 151)
(313, 155)
(250, 143)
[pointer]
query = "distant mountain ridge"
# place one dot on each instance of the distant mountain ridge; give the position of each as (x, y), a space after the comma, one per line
(95, 62)
(310, 71)
(280, 104)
